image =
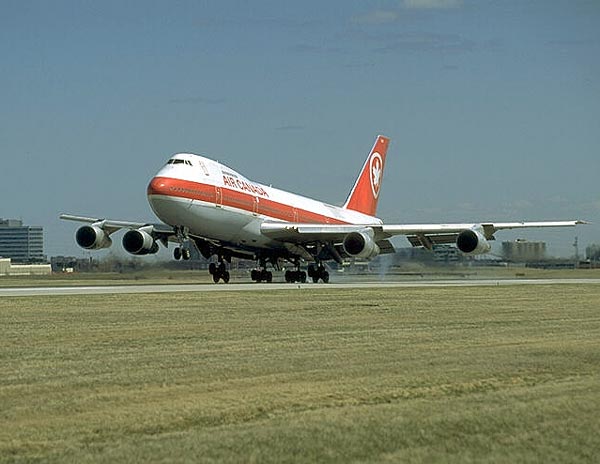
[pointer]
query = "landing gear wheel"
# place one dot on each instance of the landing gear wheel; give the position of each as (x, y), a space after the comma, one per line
(219, 271)
(295, 276)
(318, 272)
(177, 253)
(255, 275)
(265, 275)
(212, 268)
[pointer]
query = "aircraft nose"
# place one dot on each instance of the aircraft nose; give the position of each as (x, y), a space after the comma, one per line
(157, 186)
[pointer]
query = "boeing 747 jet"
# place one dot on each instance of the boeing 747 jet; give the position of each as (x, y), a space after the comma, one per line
(206, 204)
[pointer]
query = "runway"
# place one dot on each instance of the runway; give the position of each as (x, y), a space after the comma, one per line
(247, 287)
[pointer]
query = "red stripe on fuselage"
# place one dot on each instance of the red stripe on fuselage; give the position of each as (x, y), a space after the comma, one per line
(258, 204)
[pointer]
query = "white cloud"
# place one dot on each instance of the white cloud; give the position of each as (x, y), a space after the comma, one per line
(432, 4)
(391, 16)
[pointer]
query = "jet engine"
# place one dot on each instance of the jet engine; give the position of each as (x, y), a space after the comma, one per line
(92, 238)
(361, 244)
(472, 242)
(139, 242)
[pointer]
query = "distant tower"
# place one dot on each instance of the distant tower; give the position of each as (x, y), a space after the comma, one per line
(576, 246)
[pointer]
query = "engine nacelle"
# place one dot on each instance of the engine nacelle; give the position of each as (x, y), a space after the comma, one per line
(92, 238)
(361, 244)
(139, 242)
(472, 242)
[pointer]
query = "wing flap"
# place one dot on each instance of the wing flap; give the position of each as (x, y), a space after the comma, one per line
(385, 247)
(306, 233)
(428, 241)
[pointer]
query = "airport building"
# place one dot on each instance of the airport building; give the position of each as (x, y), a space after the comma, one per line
(22, 244)
(523, 251)
(446, 254)
(7, 268)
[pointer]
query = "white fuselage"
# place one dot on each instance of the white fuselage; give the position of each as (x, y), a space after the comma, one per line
(215, 202)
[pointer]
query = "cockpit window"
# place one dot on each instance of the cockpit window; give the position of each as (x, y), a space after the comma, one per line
(179, 161)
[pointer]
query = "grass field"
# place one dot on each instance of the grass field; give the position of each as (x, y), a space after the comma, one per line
(494, 374)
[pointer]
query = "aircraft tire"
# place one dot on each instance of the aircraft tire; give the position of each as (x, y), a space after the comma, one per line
(315, 278)
(177, 253)
(264, 275)
(212, 268)
(216, 277)
(226, 277)
(302, 277)
(325, 277)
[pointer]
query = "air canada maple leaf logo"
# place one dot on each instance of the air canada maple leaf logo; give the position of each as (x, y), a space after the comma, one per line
(376, 171)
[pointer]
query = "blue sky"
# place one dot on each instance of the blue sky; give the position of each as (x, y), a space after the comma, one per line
(493, 107)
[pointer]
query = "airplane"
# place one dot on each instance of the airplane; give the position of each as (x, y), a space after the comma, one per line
(206, 204)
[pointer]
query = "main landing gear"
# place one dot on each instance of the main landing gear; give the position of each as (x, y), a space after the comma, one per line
(317, 272)
(295, 276)
(261, 274)
(219, 271)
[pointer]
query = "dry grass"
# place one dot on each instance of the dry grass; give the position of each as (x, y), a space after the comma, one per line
(501, 374)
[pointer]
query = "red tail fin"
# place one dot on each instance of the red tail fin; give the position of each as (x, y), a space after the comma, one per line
(365, 193)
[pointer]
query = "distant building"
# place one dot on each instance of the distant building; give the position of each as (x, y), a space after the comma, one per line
(72, 264)
(417, 254)
(23, 244)
(446, 254)
(523, 251)
(7, 268)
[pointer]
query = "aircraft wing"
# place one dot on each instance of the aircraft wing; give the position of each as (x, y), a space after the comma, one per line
(110, 225)
(159, 231)
(425, 235)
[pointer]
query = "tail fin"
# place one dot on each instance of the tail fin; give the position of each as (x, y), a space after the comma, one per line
(365, 193)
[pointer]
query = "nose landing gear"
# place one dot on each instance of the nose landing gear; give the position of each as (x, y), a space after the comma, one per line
(182, 252)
